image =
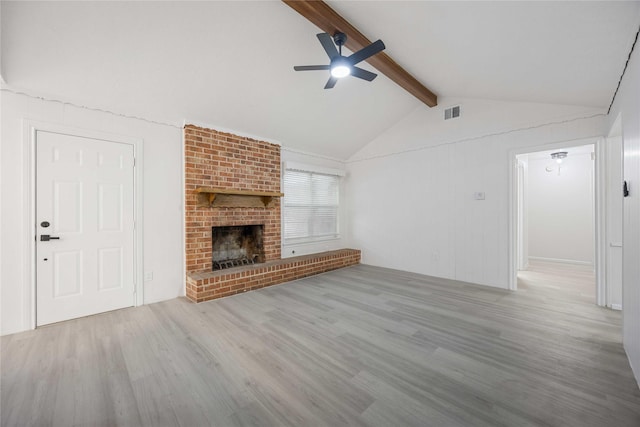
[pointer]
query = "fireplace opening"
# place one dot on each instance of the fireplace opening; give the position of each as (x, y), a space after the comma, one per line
(237, 245)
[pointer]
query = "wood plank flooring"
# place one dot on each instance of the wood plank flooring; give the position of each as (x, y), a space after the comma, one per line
(361, 346)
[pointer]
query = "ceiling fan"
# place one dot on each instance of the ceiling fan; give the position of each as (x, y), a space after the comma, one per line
(342, 66)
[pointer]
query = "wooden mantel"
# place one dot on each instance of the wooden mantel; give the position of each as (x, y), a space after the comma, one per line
(209, 197)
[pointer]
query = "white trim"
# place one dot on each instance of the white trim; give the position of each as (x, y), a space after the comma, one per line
(302, 241)
(521, 241)
(310, 154)
(303, 167)
(512, 232)
(138, 188)
(183, 202)
(571, 118)
(29, 134)
(42, 97)
(616, 306)
(636, 372)
(560, 260)
(603, 292)
(30, 127)
(227, 130)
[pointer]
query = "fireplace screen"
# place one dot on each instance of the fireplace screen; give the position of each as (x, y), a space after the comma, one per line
(237, 245)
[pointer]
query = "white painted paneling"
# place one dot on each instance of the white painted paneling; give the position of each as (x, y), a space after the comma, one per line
(561, 209)
(411, 201)
(163, 188)
(296, 157)
(627, 106)
(401, 211)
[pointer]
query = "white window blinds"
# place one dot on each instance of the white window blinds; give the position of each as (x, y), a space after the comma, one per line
(310, 205)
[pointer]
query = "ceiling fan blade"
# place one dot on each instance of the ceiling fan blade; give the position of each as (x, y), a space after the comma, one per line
(366, 52)
(327, 43)
(311, 67)
(331, 82)
(363, 74)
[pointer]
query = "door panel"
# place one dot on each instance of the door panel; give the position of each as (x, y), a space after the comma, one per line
(110, 268)
(84, 190)
(67, 274)
(110, 209)
(67, 205)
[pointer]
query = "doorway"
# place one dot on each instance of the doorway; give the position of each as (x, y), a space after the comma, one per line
(555, 218)
(85, 222)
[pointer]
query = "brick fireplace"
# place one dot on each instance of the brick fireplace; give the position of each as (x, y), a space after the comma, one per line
(233, 181)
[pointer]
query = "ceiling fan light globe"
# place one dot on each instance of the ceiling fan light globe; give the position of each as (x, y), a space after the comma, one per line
(340, 71)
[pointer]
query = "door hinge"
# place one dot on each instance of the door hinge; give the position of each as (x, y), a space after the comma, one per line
(134, 162)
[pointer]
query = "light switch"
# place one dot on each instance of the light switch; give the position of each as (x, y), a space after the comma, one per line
(148, 276)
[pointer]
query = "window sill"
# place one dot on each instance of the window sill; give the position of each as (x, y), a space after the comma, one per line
(310, 241)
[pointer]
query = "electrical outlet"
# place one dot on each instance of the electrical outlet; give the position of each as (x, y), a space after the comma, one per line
(478, 195)
(148, 276)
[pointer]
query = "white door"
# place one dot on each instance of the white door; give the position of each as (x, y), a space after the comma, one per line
(84, 226)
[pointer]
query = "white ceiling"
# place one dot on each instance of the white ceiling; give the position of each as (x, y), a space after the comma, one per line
(230, 64)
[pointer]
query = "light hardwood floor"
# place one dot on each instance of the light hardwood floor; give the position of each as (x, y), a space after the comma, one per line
(361, 346)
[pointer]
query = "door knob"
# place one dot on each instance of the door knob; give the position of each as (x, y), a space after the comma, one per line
(46, 238)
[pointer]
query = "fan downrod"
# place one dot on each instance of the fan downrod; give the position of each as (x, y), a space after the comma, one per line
(340, 38)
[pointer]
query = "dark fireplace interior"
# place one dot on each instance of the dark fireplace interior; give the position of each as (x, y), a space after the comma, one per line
(237, 245)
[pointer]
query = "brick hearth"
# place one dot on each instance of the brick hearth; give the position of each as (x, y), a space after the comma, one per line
(222, 160)
(221, 283)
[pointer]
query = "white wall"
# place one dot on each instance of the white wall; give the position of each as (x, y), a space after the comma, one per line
(289, 250)
(163, 189)
(561, 208)
(411, 191)
(627, 106)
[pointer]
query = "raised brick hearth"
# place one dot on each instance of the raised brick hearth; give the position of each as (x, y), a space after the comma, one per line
(226, 161)
(221, 283)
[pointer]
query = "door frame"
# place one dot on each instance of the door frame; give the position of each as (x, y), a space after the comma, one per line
(599, 209)
(30, 129)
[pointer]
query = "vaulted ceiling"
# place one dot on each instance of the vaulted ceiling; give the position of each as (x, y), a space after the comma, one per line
(230, 64)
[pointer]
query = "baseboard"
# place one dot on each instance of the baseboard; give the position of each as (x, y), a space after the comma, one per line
(561, 261)
(635, 372)
(616, 306)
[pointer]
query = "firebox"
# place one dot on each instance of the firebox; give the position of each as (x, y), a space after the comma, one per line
(234, 246)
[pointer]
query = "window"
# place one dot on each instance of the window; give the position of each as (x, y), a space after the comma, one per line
(310, 206)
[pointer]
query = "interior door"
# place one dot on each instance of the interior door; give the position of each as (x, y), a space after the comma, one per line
(85, 226)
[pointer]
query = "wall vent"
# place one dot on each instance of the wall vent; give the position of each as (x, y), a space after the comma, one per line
(452, 113)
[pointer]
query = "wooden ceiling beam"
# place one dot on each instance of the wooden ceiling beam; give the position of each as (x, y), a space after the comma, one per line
(328, 20)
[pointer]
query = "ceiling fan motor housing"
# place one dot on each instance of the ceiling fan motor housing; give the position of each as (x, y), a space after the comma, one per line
(340, 38)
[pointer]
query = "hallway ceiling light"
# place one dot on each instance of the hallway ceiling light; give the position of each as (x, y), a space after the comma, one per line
(558, 156)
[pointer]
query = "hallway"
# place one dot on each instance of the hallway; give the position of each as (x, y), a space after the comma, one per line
(570, 283)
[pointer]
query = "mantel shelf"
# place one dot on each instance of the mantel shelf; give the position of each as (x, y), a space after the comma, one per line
(208, 197)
